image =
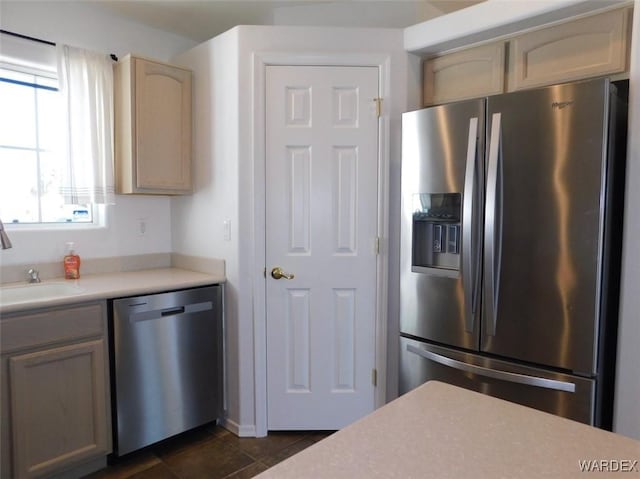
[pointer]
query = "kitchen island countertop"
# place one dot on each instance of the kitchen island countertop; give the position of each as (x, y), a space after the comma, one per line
(442, 431)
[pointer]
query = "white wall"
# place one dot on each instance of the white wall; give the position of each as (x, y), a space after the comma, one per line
(627, 404)
(225, 147)
(198, 220)
(84, 25)
(118, 238)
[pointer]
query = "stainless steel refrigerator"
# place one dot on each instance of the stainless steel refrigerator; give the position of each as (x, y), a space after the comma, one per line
(510, 246)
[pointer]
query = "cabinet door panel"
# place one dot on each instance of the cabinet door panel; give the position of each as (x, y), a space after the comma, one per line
(163, 126)
(579, 49)
(447, 78)
(58, 407)
(22, 331)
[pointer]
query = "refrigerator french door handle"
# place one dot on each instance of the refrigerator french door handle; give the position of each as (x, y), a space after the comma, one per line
(494, 373)
(469, 260)
(493, 226)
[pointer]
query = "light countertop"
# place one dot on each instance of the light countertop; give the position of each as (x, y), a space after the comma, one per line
(110, 285)
(442, 431)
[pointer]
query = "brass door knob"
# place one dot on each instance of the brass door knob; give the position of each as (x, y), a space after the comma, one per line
(277, 273)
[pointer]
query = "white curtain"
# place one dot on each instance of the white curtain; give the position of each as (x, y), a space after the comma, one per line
(86, 84)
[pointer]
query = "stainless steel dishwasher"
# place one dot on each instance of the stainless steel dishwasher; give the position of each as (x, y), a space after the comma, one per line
(166, 358)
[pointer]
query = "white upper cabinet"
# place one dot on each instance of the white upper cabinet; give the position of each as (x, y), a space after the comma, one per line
(153, 127)
(468, 73)
(584, 48)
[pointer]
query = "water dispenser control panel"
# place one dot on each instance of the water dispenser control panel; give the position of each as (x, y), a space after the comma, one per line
(436, 232)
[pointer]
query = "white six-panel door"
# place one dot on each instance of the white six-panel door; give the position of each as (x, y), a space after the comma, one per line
(321, 224)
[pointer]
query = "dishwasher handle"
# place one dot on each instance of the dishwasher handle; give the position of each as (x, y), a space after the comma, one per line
(138, 316)
(172, 311)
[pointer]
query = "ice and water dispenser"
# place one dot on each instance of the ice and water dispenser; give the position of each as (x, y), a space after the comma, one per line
(436, 233)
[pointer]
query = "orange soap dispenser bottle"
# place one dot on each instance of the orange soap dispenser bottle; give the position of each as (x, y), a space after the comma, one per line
(71, 263)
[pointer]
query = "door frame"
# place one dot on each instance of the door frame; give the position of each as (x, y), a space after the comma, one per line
(260, 62)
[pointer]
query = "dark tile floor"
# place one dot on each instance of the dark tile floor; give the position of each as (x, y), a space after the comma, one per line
(209, 452)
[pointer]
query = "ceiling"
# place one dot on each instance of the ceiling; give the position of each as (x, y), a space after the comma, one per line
(200, 20)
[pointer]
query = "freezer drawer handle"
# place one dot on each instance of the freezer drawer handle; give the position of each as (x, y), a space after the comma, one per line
(493, 373)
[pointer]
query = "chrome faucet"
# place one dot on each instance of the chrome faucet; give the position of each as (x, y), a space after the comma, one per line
(4, 239)
(34, 275)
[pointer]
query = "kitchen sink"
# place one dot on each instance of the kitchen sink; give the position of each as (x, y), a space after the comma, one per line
(35, 292)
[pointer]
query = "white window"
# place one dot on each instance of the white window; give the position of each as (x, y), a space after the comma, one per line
(32, 151)
(56, 140)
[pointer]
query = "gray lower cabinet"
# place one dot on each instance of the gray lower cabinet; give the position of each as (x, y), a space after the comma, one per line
(55, 392)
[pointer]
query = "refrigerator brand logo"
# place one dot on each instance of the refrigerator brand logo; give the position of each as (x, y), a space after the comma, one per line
(561, 104)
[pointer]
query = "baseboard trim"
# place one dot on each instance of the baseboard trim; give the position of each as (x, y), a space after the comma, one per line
(247, 430)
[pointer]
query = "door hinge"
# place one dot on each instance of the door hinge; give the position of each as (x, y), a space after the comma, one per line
(374, 377)
(378, 101)
(376, 245)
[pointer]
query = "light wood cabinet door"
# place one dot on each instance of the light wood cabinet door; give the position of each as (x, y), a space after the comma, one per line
(163, 126)
(583, 48)
(465, 74)
(153, 127)
(58, 407)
